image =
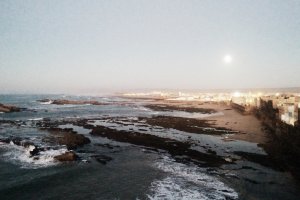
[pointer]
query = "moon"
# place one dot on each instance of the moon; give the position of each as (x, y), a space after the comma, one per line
(227, 59)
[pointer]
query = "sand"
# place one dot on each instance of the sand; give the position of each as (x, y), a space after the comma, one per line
(249, 127)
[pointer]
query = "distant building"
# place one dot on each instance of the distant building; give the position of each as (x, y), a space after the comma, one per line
(289, 110)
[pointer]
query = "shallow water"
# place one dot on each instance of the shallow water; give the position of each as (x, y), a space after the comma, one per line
(134, 172)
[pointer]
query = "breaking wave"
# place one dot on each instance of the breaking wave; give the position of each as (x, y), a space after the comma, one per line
(21, 155)
(47, 102)
(188, 183)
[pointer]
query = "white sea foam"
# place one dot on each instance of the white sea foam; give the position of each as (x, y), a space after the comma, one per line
(47, 102)
(21, 155)
(132, 118)
(36, 119)
(141, 108)
(168, 189)
(188, 182)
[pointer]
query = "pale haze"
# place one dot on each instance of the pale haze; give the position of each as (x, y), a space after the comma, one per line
(91, 46)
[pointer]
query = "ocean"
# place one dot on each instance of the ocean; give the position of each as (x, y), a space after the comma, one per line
(133, 171)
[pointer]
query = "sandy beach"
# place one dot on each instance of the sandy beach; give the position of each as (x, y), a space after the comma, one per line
(248, 126)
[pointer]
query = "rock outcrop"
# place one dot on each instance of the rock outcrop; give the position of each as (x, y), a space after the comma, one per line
(190, 109)
(68, 156)
(67, 137)
(72, 102)
(174, 147)
(9, 108)
(44, 100)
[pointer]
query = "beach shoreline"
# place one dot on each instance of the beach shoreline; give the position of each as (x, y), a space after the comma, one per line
(247, 126)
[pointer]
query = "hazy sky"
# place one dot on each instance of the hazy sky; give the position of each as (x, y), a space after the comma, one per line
(89, 46)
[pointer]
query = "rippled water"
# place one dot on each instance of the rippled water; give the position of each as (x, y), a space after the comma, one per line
(134, 172)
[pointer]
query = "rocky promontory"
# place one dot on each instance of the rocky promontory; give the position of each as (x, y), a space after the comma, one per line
(72, 102)
(189, 109)
(66, 137)
(68, 156)
(9, 108)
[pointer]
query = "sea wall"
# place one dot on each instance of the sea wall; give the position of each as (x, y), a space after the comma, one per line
(284, 139)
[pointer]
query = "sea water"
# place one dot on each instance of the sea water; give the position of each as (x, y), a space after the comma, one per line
(134, 172)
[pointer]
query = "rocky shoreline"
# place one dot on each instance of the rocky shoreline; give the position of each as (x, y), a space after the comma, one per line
(66, 137)
(190, 125)
(180, 150)
(189, 109)
(174, 147)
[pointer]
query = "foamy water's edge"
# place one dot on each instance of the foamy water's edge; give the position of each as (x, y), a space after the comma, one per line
(188, 183)
(21, 156)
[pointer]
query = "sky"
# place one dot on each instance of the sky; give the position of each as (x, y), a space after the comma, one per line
(92, 46)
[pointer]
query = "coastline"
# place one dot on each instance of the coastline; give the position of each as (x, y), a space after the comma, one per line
(248, 127)
(117, 132)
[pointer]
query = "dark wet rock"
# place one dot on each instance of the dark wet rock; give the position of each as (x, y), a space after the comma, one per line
(128, 124)
(48, 123)
(263, 160)
(9, 108)
(102, 158)
(137, 125)
(5, 140)
(248, 167)
(43, 100)
(83, 123)
(165, 107)
(69, 130)
(16, 141)
(68, 101)
(66, 137)
(57, 130)
(68, 156)
(174, 147)
(141, 129)
(88, 126)
(35, 151)
(76, 102)
(183, 159)
(211, 151)
(189, 125)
